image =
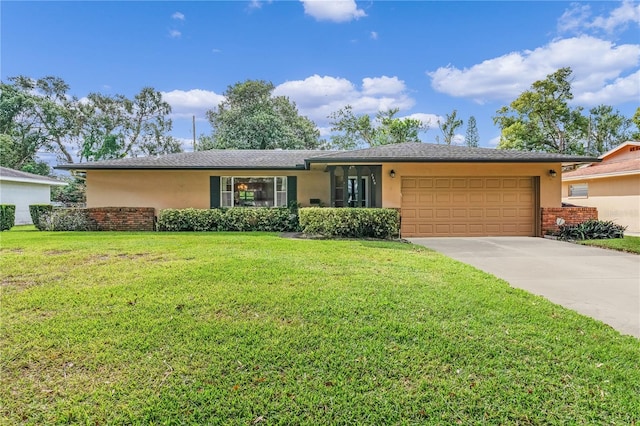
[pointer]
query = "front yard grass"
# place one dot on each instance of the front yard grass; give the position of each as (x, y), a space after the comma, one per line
(159, 328)
(628, 243)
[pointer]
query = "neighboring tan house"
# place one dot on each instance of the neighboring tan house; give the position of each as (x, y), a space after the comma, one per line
(23, 189)
(440, 190)
(613, 186)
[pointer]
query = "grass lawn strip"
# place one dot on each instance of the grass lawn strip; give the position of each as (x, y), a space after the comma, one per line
(627, 244)
(253, 328)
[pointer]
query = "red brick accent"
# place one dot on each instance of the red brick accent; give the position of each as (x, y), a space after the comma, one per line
(122, 218)
(571, 216)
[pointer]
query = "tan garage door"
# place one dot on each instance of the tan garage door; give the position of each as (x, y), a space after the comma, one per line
(468, 206)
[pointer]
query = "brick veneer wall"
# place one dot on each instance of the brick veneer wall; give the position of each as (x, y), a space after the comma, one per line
(122, 218)
(571, 216)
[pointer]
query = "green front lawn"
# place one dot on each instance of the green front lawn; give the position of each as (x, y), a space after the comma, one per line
(628, 244)
(121, 328)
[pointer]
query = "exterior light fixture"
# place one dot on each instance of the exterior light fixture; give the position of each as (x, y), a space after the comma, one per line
(552, 173)
(392, 173)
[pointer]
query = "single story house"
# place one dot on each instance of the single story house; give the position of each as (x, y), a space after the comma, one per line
(23, 189)
(440, 190)
(612, 185)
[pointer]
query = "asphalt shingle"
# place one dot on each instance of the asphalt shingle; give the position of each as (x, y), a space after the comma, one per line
(298, 159)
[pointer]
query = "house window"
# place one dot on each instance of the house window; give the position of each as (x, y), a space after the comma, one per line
(238, 191)
(356, 192)
(579, 190)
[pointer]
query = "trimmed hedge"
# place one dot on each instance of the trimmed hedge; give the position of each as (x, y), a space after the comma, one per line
(67, 220)
(7, 216)
(37, 211)
(277, 219)
(350, 222)
(591, 230)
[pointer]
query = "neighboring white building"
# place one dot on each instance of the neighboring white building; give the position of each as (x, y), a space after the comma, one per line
(23, 189)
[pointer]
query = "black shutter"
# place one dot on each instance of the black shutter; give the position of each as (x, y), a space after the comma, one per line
(292, 189)
(214, 191)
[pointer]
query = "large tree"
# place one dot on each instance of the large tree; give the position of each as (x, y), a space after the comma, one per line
(607, 129)
(449, 126)
(472, 138)
(37, 115)
(251, 117)
(541, 119)
(355, 131)
(116, 127)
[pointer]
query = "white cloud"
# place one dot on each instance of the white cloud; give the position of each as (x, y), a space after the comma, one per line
(507, 76)
(178, 16)
(373, 35)
(430, 120)
(382, 85)
(185, 104)
(257, 4)
(175, 34)
(333, 10)
(578, 18)
(317, 97)
(623, 89)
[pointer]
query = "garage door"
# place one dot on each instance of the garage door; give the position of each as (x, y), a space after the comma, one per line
(468, 206)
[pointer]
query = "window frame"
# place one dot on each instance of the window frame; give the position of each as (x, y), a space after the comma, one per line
(227, 198)
(578, 190)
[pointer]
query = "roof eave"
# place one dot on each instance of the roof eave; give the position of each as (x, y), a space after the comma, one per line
(600, 175)
(80, 167)
(450, 160)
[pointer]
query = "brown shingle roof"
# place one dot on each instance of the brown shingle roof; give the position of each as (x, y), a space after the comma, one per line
(630, 166)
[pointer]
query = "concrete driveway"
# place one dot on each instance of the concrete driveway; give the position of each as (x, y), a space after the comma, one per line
(602, 284)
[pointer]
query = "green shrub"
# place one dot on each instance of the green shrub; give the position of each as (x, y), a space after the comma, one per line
(7, 216)
(177, 220)
(350, 222)
(236, 219)
(37, 211)
(590, 230)
(67, 220)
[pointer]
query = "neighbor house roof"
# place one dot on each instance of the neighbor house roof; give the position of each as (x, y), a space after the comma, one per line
(611, 165)
(300, 159)
(613, 168)
(11, 175)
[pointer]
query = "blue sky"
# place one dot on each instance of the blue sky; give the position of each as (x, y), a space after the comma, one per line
(424, 57)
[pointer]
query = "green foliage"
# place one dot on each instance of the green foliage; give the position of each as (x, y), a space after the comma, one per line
(39, 211)
(472, 138)
(350, 222)
(66, 220)
(7, 216)
(116, 126)
(541, 119)
(39, 114)
(234, 219)
(590, 230)
(250, 117)
(449, 126)
(359, 130)
(607, 129)
(636, 122)
(73, 193)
